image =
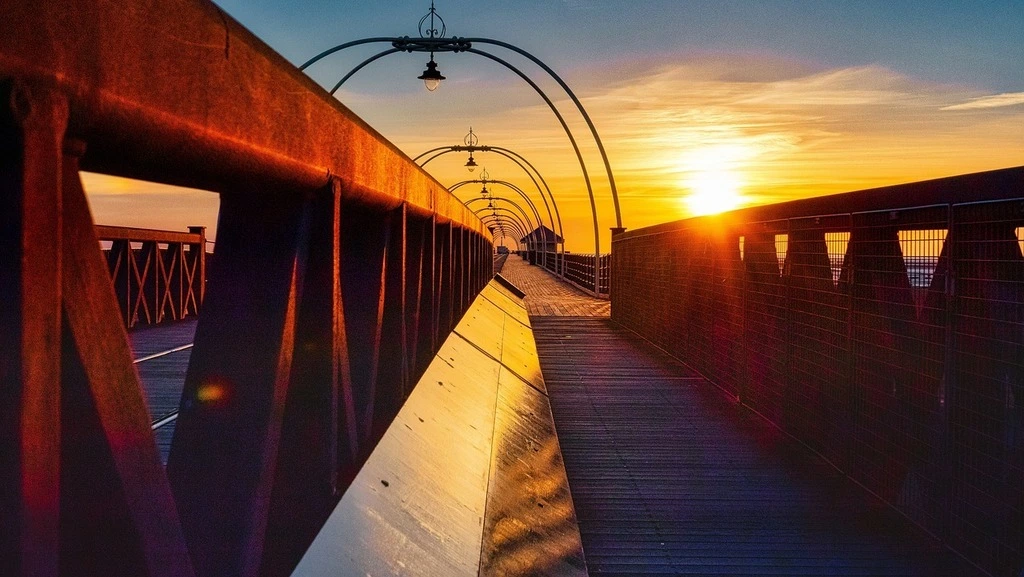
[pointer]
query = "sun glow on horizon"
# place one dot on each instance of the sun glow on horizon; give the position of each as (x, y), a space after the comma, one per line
(714, 178)
(713, 191)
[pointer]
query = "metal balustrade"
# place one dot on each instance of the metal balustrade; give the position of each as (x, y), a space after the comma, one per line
(577, 269)
(884, 329)
(158, 275)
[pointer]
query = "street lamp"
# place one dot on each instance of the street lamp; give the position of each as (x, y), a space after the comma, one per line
(471, 141)
(432, 77)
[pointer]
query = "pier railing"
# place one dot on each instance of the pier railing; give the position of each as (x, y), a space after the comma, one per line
(341, 266)
(158, 275)
(884, 329)
(578, 269)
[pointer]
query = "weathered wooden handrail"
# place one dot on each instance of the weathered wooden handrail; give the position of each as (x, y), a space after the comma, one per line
(341, 266)
(882, 328)
(162, 280)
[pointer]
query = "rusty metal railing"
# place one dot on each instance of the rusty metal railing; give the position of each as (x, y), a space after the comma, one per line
(158, 275)
(884, 329)
(340, 268)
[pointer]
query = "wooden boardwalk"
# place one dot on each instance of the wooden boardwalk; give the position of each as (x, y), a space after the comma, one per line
(163, 376)
(669, 476)
(547, 296)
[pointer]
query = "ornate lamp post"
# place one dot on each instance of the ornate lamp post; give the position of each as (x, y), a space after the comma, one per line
(431, 77)
(471, 141)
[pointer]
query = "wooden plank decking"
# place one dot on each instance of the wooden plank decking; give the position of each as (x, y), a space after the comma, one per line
(669, 476)
(546, 296)
(163, 377)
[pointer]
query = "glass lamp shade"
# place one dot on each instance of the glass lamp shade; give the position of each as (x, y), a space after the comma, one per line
(431, 77)
(432, 83)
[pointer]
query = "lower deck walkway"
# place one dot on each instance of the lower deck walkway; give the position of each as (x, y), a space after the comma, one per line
(670, 477)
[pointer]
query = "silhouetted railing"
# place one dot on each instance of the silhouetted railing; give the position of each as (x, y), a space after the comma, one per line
(883, 328)
(340, 269)
(577, 269)
(158, 275)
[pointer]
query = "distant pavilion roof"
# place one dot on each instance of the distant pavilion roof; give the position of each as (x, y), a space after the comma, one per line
(543, 235)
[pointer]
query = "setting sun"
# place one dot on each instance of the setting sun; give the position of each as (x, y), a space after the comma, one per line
(713, 191)
(713, 178)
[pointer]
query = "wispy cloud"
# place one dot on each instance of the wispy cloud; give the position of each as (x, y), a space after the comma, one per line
(992, 101)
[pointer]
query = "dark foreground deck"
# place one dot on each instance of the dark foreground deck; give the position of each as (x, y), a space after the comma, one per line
(669, 477)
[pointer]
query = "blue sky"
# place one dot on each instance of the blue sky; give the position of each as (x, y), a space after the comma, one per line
(748, 101)
(978, 42)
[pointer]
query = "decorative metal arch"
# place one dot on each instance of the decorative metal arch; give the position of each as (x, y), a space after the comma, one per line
(543, 95)
(504, 235)
(523, 213)
(515, 157)
(533, 206)
(511, 229)
(433, 40)
(509, 212)
(499, 224)
(509, 185)
(455, 44)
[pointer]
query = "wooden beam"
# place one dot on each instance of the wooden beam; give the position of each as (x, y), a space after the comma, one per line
(117, 513)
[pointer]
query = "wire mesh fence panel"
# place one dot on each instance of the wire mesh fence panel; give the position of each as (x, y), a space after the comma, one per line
(922, 424)
(765, 322)
(882, 312)
(727, 321)
(987, 504)
(817, 329)
(698, 311)
(890, 340)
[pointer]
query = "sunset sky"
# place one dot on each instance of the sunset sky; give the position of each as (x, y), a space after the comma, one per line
(700, 104)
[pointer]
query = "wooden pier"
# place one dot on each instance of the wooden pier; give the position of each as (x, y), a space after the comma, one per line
(668, 474)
